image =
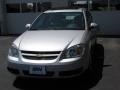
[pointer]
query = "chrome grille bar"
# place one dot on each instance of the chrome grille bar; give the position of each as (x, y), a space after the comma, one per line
(32, 55)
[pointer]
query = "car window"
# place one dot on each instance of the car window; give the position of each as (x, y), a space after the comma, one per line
(89, 17)
(59, 21)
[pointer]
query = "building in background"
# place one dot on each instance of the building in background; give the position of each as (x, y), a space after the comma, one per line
(14, 14)
(2, 17)
(102, 5)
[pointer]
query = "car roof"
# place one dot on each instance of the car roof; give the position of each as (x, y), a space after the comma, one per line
(65, 10)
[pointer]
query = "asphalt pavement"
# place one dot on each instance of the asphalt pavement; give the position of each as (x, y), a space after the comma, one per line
(109, 80)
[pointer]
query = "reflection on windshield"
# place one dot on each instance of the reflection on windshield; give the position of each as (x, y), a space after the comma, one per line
(59, 21)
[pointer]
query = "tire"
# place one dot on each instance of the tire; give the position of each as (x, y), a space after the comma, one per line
(99, 52)
(96, 59)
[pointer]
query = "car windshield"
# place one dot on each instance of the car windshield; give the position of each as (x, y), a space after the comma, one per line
(59, 21)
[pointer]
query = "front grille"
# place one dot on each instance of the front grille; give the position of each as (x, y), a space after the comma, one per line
(33, 55)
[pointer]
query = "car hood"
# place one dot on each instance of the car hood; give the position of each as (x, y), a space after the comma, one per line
(49, 40)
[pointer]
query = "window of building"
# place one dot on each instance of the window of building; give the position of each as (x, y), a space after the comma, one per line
(99, 7)
(78, 4)
(13, 8)
(106, 5)
(39, 7)
(44, 6)
(117, 6)
(28, 7)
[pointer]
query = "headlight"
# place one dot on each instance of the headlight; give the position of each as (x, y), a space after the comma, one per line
(74, 51)
(13, 51)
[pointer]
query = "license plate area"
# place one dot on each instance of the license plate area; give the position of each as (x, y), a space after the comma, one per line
(37, 70)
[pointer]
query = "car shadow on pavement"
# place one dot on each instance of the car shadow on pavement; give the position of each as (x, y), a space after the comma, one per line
(84, 82)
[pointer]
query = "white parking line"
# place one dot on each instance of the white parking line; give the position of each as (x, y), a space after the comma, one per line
(4, 38)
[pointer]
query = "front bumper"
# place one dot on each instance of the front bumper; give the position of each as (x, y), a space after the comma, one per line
(52, 71)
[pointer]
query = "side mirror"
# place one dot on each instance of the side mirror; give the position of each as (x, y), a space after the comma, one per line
(27, 26)
(93, 25)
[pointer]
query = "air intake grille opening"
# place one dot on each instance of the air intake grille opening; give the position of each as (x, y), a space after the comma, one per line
(33, 55)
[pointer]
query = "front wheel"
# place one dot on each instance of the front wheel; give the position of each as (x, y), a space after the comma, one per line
(96, 59)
